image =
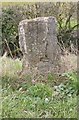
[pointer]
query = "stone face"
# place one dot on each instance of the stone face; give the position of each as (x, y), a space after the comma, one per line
(38, 42)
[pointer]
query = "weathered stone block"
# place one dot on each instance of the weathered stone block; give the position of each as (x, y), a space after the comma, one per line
(38, 42)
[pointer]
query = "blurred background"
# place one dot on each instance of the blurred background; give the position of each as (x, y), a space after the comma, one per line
(13, 13)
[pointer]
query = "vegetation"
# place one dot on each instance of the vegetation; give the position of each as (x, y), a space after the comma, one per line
(21, 96)
(12, 14)
(42, 99)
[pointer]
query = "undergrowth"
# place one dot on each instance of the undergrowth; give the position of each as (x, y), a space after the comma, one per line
(54, 98)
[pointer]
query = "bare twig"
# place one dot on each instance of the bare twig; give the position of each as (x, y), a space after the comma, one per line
(8, 48)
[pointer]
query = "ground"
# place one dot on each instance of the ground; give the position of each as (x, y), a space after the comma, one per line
(24, 98)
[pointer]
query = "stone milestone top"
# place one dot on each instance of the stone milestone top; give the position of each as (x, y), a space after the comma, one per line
(45, 19)
(38, 42)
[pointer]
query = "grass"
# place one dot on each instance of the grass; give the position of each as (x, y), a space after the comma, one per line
(73, 22)
(10, 67)
(54, 98)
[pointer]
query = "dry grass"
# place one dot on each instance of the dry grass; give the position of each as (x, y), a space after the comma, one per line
(9, 66)
(69, 62)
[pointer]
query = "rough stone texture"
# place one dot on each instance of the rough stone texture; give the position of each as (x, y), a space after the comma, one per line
(38, 42)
